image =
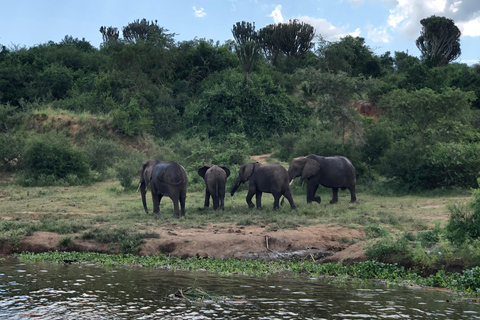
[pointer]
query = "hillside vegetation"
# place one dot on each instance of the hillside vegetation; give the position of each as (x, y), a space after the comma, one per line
(72, 114)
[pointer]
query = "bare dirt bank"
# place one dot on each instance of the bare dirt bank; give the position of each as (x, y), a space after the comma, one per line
(319, 242)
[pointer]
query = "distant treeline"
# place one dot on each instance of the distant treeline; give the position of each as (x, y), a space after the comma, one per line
(414, 121)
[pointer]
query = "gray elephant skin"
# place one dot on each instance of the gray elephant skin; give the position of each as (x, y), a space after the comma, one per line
(331, 172)
(145, 176)
(269, 178)
(169, 179)
(215, 178)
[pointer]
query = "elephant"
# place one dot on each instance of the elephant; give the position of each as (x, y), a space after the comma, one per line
(169, 179)
(145, 176)
(270, 178)
(331, 172)
(215, 178)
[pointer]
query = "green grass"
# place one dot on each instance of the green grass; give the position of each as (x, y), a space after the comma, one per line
(73, 209)
(104, 213)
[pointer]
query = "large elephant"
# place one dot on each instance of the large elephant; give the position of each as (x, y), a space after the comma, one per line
(145, 177)
(331, 172)
(215, 178)
(169, 179)
(270, 178)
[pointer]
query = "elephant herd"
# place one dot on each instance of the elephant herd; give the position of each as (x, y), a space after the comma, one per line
(168, 178)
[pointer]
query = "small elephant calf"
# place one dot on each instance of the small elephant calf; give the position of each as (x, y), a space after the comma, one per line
(215, 178)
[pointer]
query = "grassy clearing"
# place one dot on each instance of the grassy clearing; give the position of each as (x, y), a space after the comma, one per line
(105, 208)
(408, 229)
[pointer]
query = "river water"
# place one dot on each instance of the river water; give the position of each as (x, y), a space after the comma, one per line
(57, 291)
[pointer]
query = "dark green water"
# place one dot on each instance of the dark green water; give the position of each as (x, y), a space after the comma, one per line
(52, 291)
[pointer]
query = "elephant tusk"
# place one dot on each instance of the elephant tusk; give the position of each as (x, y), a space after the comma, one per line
(139, 187)
(291, 181)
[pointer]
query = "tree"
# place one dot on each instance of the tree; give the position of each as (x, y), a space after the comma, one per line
(330, 96)
(246, 47)
(424, 110)
(109, 34)
(439, 41)
(350, 55)
(293, 39)
(147, 31)
(266, 41)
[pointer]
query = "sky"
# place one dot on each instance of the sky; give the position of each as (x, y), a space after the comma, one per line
(386, 25)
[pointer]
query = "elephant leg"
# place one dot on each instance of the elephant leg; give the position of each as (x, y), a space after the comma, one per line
(249, 198)
(143, 191)
(288, 195)
(334, 196)
(276, 200)
(176, 209)
(183, 198)
(156, 203)
(311, 190)
(222, 202)
(215, 201)
(221, 198)
(353, 196)
(207, 199)
(258, 199)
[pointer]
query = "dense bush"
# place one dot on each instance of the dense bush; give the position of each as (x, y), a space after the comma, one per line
(102, 154)
(128, 169)
(420, 165)
(259, 108)
(11, 147)
(464, 222)
(51, 157)
(194, 99)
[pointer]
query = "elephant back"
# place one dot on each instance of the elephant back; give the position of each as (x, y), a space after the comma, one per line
(170, 172)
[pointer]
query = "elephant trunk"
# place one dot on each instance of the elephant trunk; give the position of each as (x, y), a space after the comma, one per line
(142, 187)
(235, 187)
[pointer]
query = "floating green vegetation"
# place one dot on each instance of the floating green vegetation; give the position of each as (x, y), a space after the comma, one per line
(468, 281)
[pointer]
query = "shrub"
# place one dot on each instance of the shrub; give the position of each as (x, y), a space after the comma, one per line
(11, 146)
(51, 157)
(131, 119)
(102, 154)
(389, 250)
(464, 222)
(127, 169)
(430, 237)
(375, 231)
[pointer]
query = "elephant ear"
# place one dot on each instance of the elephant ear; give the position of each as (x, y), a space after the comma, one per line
(227, 171)
(310, 168)
(247, 171)
(203, 170)
(146, 170)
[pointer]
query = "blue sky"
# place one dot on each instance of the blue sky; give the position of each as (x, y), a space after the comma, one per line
(386, 25)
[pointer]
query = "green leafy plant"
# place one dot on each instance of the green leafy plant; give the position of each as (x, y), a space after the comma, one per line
(51, 157)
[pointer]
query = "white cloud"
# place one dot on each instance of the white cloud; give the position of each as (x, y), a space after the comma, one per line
(406, 15)
(378, 34)
(470, 28)
(356, 3)
(327, 30)
(199, 13)
(277, 14)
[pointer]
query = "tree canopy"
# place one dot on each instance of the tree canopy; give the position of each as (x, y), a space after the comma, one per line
(393, 114)
(439, 41)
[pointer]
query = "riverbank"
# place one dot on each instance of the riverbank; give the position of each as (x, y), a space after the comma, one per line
(318, 242)
(106, 218)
